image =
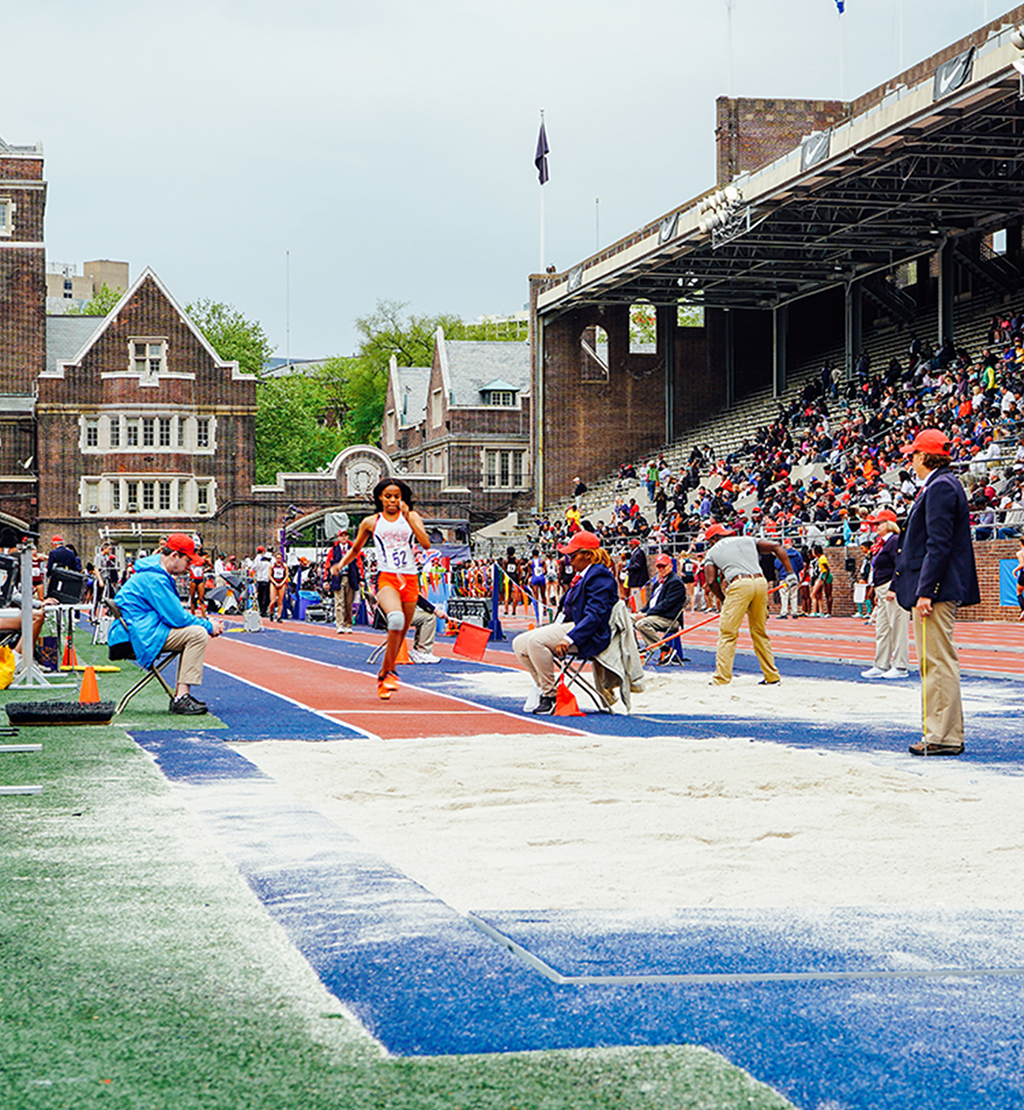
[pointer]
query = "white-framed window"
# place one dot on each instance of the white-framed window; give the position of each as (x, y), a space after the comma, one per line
(203, 431)
(180, 499)
(148, 424)
(503, 469)
(7, 207)
(165, 497)
(115, 495)
(132, 431)
(203, 496)
(92, 431)
(181, 431)
(114, 430)
(165, 431)
(503, 397)
(148, 496)
(147, 356)
(132, 498)
(92, 497)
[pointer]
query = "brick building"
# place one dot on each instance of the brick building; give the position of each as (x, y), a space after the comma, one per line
(141, 425)
(461, 427)
(130, 425)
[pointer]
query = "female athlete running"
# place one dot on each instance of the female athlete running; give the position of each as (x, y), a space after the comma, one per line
(393, 528)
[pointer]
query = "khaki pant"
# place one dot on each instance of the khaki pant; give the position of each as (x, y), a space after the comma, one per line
(940, 675)
(892, 632)
(534, 651)
(425, 627)
(750, 596)
(190, 643)
(790, 599)
(343, 600)
(654, 629)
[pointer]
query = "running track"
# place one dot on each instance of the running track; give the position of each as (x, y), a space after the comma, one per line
(852, 1009)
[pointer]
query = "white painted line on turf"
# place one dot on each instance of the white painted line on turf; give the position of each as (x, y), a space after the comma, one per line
(351, 670)
(20, 789)
(725, 978)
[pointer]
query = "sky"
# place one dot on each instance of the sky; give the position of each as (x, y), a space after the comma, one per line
(302, 161)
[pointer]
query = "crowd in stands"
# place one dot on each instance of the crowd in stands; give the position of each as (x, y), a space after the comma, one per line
(831, 457)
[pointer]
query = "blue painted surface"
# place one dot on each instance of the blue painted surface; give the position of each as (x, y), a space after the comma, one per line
(427, 982)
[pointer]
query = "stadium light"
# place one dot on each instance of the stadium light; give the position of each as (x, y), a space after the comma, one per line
(1017, 37)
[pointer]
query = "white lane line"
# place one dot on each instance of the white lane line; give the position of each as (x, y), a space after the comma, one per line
(549, 973)
(351, 670)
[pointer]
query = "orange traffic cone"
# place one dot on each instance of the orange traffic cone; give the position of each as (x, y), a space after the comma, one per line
(70, 658)
(403, 653)
(90, 691)
(565, 703)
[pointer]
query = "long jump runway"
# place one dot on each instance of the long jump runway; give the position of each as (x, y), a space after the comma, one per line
(838, 1009)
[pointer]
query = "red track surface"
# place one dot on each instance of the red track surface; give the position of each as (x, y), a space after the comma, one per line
(986, 647)
(350, 696)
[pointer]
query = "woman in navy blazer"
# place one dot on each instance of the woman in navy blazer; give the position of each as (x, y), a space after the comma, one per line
(936, 573)
(584, 625)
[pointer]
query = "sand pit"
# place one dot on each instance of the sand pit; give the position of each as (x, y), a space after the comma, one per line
(584, 822)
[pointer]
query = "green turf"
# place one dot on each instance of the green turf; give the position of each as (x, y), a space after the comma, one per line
(147, 710)
(138, 971)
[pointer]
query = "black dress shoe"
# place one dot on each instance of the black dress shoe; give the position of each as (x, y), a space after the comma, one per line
(920, 748)
(546, 705)
(188, 706)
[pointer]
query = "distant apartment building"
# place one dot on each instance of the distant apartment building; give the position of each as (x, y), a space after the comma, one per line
(66, 286)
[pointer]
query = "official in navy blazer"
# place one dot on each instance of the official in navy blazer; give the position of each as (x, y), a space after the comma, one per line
(935, 573)
(586, 613)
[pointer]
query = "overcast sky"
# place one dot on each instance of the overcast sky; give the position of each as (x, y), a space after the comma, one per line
(388, 144)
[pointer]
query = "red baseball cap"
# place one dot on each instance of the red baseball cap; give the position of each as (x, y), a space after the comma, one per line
(178, 541)
(663, 561)
(714, 530)
(882, 514)
(57, 539)
(931, 441)
(582, 541)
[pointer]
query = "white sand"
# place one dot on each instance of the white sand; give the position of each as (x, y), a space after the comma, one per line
(560, 821)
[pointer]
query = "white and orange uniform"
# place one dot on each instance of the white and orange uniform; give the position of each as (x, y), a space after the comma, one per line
(396, 560)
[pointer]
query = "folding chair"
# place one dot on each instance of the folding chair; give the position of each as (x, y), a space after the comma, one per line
(118, 652)
(571, 672)
(675, 644)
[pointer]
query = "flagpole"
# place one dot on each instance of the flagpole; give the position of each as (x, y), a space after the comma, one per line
(543, 264)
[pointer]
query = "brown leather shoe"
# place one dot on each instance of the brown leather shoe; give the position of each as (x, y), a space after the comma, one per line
(920, 748)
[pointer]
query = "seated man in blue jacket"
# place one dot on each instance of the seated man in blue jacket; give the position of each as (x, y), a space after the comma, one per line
(586, 611)
(158, 622)
(661, 616)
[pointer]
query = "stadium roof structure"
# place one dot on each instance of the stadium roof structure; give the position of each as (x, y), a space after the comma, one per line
(915, 166)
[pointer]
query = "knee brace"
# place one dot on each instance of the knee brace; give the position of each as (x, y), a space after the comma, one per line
(396, 621)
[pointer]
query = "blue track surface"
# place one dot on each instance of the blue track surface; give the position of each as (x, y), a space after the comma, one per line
(917, 1030)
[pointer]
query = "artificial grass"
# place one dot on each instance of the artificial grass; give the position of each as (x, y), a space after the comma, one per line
(137, 970)
(147, 710)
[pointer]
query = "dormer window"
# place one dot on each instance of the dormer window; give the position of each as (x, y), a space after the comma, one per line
(147, 357)
(500, 394)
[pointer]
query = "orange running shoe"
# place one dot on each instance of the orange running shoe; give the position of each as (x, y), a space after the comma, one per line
(390, 680)
(383, 691)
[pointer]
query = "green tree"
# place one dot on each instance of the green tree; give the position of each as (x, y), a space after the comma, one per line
(291, 431)
(231, 335)
(388, 331)
(102, 303)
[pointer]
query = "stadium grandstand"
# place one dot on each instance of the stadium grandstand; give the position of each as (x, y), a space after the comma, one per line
(864, 281)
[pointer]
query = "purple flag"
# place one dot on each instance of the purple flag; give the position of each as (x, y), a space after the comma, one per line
(540, 159)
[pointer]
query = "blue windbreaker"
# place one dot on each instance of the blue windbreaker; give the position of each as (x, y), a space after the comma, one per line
(151, 607)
